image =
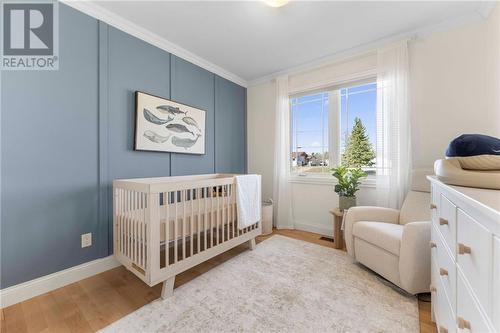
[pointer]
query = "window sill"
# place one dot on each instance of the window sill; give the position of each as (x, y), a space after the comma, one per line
(369, 182)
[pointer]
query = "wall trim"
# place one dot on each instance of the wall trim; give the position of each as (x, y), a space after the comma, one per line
(300, 225)
(106, 16)
(44, 284)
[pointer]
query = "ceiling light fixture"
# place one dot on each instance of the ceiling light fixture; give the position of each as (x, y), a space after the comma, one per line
(276, 3)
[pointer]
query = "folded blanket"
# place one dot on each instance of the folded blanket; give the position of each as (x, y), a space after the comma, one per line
(475, 152)
(248, 199)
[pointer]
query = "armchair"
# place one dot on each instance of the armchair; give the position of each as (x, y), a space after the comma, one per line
(395, 243)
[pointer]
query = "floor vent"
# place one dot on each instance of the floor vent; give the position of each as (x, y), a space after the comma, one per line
(328, 239)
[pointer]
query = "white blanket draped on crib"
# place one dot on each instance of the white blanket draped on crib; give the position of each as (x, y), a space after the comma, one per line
(248, 197)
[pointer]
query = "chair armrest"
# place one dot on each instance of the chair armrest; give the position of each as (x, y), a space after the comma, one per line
(415, 257)
(366, 213)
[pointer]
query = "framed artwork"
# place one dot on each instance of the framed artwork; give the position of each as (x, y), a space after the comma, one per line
(163, 125)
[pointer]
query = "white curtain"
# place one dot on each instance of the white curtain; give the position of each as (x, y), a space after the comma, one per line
(393, 125)
(282, 187)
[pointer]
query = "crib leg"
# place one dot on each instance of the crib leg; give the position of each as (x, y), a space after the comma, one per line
(167, 289)
(251, 244)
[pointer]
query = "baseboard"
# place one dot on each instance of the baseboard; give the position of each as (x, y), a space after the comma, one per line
(313, 228)
(44, 284)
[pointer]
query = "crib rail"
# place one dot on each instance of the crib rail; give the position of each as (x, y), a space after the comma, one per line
(131, 227)
(175, 225)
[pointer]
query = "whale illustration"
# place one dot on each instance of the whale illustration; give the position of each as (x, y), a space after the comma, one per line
(149, 116)
(155, 137)
(184, 143)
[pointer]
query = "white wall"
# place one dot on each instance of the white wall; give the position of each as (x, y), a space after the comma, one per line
(261, 102)
(454, 86)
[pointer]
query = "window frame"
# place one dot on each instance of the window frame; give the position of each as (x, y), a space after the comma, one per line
(334, 126)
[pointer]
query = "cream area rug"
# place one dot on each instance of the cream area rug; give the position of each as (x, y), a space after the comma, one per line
(284, 285)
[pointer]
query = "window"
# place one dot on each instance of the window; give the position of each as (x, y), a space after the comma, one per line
(332, 127)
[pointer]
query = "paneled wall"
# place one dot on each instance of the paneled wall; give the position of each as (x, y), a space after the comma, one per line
(66, 134)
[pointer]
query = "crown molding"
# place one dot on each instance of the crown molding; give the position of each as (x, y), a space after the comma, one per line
(485, 8)
(106, 16)
(480, 14)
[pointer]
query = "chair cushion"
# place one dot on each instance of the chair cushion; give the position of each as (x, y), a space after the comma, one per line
(415, 207)
(384, 235)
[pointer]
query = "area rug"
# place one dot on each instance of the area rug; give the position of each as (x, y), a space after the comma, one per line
(284, 285)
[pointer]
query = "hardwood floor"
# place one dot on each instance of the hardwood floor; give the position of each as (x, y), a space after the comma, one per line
(95, 302)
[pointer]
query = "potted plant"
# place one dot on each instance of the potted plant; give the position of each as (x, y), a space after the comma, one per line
(348, 184)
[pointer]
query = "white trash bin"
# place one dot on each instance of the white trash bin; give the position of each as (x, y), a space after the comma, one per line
(267, 217)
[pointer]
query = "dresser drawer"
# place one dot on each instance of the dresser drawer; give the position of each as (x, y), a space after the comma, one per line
(445, 319)
(435, 202)
(496, 284)
(469, 317)
(474, 256)
(446, 222)
(446, 268)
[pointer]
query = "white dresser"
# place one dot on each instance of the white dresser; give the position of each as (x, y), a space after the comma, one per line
(465, 281)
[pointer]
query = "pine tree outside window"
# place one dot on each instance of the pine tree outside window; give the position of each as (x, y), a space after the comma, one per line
(334, 126)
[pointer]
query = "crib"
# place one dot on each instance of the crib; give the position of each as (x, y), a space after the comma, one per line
(166, 225)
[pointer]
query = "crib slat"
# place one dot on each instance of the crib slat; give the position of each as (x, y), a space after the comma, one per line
(136, 226)
(212, 217)
(118, 236)
(217, 215)
(224, 214)
(228, 230)
(198, 220)
(127, 225)
(138, 239)
(167, 227)
(131, 231)
(183, 198)
(191, 223)
(143, 234)
(232, 212)
(131, 225)
(122, 220)
(116, 217)
(175, 226)
(154, 234)
(205, 224)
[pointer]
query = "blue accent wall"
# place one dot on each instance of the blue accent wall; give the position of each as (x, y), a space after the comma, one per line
(230, 127)
(66, 134)
(194, 86)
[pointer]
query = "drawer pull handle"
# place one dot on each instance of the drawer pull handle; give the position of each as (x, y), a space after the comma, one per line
(433, 289)
(463, 324)
(433, 206)
(463, 249)
(443, 329)
(443, 221)
(443, 271)
(432, 244)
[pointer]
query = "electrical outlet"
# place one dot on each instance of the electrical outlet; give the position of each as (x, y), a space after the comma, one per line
(86, 240)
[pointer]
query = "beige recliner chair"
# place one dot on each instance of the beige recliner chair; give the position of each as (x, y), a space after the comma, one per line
(393, 243)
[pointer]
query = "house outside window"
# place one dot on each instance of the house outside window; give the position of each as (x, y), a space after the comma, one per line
(334, 126)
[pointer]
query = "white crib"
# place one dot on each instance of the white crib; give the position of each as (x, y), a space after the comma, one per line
(166, 225)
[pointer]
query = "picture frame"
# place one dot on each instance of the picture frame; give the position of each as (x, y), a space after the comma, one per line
(163, 125)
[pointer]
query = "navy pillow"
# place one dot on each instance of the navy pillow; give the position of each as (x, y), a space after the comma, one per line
(472, 145)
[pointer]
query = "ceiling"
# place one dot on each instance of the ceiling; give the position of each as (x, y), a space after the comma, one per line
(252, 40)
